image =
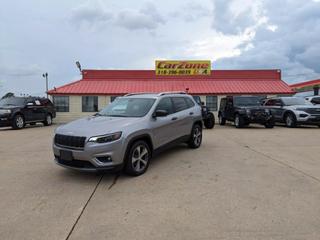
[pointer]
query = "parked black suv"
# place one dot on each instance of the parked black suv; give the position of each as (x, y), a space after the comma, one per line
(207, 116)
(19, 111)
(243, 110)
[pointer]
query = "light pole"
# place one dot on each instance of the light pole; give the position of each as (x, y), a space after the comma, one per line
(45, 75)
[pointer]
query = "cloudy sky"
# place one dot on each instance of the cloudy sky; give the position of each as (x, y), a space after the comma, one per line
(49, 36)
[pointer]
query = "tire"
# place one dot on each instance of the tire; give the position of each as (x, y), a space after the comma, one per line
(209, 122)
(138, 159)
(18, 122)
(238, 121)
(290, 120)
(196, 136)
(222, 120)
(269, 124)
(48, 120)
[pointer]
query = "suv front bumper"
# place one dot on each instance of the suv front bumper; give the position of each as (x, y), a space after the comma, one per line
(89, 158)
(306, 118)
(5, 121)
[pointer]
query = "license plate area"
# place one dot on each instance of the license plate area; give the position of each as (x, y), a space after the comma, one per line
(66, 155)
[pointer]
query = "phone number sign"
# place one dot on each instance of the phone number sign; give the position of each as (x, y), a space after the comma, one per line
(202, 67)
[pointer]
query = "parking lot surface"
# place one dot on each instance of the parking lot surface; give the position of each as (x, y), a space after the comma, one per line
(252, 183)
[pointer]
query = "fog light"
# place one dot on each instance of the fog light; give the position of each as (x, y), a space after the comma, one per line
(104, 159)
(303, 115)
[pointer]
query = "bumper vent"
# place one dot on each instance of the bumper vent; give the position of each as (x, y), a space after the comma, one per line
(69, 141)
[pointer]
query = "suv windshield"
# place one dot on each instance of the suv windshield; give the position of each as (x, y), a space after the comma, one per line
(247, 101)
(12, 101)
(295, 101)
(128, 107)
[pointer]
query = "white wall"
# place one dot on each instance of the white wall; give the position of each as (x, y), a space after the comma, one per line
(75, 109)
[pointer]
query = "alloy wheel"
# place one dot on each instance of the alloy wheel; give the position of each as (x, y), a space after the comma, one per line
(197, 136)
(49, 120)
(19, 122)
(140, 158)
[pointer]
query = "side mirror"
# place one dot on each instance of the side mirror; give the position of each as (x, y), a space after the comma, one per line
(160, 113)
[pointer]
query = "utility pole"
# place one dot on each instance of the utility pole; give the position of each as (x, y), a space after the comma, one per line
(45, 75)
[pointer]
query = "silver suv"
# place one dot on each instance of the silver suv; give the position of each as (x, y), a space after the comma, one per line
(293, 111)
(126, 133)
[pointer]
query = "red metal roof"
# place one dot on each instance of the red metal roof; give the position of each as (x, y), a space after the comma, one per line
(118, 82)
(306, 84)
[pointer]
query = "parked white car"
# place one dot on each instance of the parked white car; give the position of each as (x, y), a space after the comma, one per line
(313, 99)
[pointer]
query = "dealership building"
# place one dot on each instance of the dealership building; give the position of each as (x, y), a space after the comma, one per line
(97, 88)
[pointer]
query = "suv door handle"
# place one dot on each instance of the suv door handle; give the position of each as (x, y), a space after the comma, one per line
(174, 118)
(190, 113)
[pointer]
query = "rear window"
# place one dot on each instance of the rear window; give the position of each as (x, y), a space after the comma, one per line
(179, 104)
(190, 103)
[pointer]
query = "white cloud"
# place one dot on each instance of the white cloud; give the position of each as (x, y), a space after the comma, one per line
(147, 17)
(90, 14)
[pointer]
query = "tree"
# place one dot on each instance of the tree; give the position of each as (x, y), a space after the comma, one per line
(9, 94)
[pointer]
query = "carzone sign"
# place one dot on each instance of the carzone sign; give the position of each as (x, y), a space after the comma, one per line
(202, 67)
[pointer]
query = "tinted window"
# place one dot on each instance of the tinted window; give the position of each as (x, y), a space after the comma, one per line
(316, 100)
(165, 104)
(128, 107)
(247, 101)
(61, 103)
(89, 104)
(12, 101)
(190, 103)
(289, 101)
(212, 103)
(179, 104)
(223, 103)
(197, 99)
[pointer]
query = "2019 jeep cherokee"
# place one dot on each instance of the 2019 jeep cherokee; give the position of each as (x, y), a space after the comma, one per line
(126, 133)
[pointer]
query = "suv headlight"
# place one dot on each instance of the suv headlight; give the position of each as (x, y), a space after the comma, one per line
(5, 111)
(106, 138)
(301, 109)
(248, 111)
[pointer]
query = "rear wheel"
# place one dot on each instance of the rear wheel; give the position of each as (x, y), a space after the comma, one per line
(48, 120)
(222, 120)
(18, 122)
(196, 136)
(209, 121)
(138, 159)
(238, 121)
(290, 120)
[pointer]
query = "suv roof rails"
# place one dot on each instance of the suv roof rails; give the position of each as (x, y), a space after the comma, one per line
(138, 93)
(168, 93)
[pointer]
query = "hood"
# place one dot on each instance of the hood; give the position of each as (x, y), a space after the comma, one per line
(96, 125)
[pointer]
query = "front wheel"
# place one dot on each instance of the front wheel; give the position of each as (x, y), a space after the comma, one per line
(238, 121)
(196, 136)
(18, 122)
(290, 120)
(209, 121)
(138, 159)
(48, 120)
(269, 124)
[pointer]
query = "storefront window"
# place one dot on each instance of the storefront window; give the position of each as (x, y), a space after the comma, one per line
(89, 103)
(212, 102)
(61, 103)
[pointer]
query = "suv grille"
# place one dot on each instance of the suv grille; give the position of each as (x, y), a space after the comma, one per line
(69, 141)
(313, 110)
